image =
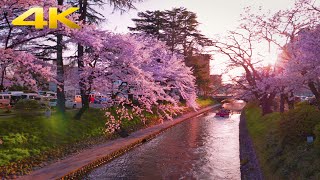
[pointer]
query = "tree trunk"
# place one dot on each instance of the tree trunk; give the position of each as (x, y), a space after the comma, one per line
(60, 76)
(60, 72)
(2, 79)
(4, 68)
(316, 92)
(290, 100)
(83, 89)
(282, 102)
(82, 85)
(266, 103)
(266, 107)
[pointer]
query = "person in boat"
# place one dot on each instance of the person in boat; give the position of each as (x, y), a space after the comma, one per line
(223, 111)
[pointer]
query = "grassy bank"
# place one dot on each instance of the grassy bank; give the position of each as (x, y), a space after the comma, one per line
(204, 102)
(281, 144)
(32, 141)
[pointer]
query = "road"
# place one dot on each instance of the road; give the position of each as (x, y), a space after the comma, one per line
(205, 147)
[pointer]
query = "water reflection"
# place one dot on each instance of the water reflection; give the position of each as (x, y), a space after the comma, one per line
(201, 148)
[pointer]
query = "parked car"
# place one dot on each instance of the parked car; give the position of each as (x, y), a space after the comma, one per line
(53, 102)
(77, 98)
(42, 93)
(14, 99)
(95, 98)
(72, 104)
(15, 92)
(68, 104)
(304, 98)
(101, 99)
(5, 99)
(34, 96)
(51, 94)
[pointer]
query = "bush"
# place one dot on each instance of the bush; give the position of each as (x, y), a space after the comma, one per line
(253, 106)
(14, 139)
(299, 123)
(32, 137)
(280, 141)
(204, 102)
(27, 104)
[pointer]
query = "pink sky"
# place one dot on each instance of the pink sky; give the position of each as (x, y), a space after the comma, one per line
(216, 16)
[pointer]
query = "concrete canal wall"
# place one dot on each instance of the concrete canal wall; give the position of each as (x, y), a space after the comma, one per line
(79, 164)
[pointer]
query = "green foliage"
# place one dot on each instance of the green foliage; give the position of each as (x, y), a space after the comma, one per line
(26, 105)
(280, 157)
(26, 136)
(14, 154)
(316, 132)
(30, 140)
(14, 139)
(131, 125)
(299, 123)
(178, 28)
(259, 126)
(201, 70)
(204, 102)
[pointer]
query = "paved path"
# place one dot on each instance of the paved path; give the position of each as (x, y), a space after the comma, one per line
(104, 152)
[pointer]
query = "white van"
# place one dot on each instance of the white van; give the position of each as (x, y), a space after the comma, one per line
(5, 99)
(30, 96)
(48, 94)
(15, 92)
(51, 94)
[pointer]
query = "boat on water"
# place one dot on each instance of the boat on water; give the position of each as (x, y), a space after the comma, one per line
(223, 113)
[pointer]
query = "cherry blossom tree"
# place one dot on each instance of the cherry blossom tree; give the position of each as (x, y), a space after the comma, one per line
(88, 14)
(305, 59)
(279, 29)
(23, 69)
(43, 44)
(18, 66)
(152, 78)
(147, 70)
(257, 81)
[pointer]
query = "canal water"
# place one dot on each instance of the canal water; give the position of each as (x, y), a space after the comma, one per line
(205, 147)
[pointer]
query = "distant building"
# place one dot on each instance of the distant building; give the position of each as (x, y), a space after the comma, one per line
(200, 64)
(216, 79)
(217, 86)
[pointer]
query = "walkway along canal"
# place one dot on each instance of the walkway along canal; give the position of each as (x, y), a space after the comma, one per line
(204, 147)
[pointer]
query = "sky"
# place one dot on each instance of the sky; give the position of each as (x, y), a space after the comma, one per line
(216, 17)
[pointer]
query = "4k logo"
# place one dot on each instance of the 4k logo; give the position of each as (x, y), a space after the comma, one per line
(39, 21)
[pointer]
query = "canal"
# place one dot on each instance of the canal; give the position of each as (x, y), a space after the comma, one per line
(204, 147)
